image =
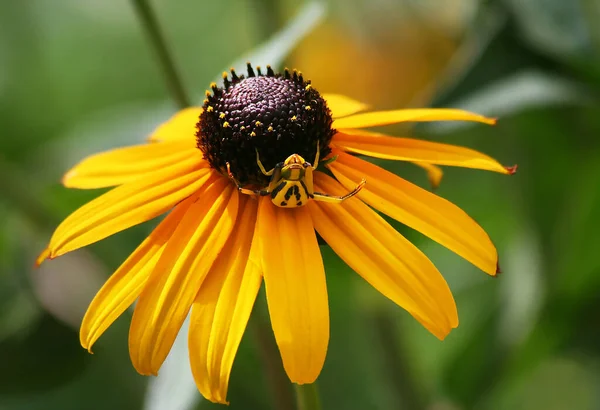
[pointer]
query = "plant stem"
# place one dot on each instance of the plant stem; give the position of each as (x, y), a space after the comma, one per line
(279, 385)
(396, 369)
(173, 80)
(307, 396)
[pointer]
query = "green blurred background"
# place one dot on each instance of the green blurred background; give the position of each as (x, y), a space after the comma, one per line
(77, 77)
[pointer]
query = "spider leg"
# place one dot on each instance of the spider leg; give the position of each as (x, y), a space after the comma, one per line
(259, 192)
(262, 167)
(318, 196)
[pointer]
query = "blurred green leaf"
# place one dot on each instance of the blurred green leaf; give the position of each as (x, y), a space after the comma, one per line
(18, 307)
(556, 27)
(515, 93)
(37, 351)
(45, 357)
(557, 384)
(473, 369)
(352, 377)
(491, 51)
(522, 287)
(579, 264)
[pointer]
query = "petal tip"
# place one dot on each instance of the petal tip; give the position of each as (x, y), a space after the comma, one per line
(445, 330)
(45, 254)
(86, 344)
(144, 372)
(67, 177)
(218, 400)
(141, 366)
(491, 268)
(442, 336)
(512, 170)
(498, 270)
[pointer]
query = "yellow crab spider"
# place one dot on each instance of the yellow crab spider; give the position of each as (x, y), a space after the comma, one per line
(291, 183)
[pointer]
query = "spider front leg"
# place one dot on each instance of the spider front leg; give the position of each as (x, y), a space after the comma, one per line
(259, 192)
(318, 196)
(262, 167)
(256, 192)
(316, 161)
(325, 161)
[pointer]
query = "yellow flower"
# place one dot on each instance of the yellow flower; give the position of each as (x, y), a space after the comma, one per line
(212, 251)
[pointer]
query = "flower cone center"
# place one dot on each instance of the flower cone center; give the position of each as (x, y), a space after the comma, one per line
(276, 115)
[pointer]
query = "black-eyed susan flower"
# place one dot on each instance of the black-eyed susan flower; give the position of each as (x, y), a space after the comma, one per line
(242, 177)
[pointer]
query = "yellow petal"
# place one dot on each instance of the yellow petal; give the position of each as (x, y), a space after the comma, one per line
(414, 150)
(124, 165)
(173, 284)
(126, 284)
(384, 258)
(341, 106)
(295, 287)
(181, 126)
(223, 306)
(45, 254)
(434, 173)
(379, 118)
(428, 213)
(128, 205)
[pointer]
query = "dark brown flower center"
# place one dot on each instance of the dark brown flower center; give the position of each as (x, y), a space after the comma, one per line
(275, 114)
